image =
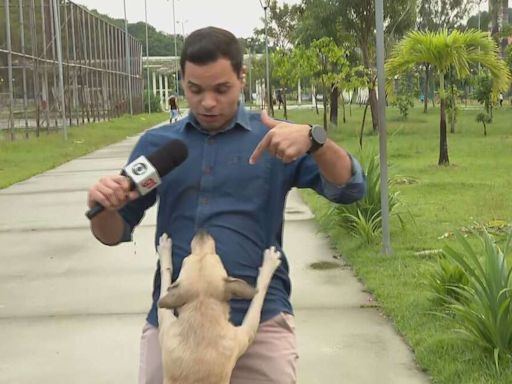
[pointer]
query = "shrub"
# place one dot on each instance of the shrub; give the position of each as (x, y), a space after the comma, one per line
(154, 101)
(484, 314)
(363, 219)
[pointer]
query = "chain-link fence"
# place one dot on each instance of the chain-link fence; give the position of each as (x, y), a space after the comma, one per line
(62, 65)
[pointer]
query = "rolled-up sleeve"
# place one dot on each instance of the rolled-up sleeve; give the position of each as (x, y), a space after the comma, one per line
(350, 192)
(306, 174)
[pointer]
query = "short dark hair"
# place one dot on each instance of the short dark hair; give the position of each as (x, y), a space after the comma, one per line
(206, 45)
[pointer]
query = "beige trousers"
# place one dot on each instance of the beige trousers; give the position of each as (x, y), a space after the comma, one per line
(271, 358)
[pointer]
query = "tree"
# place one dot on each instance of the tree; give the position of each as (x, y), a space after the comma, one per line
(499, 15)
(483, 91)
(357, 17)
(435, 16)
(325, 62)
(443, 50)
(281, 25)
(285, 63)
(485, 119)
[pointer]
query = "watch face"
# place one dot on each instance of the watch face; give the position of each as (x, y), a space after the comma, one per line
(318, 134)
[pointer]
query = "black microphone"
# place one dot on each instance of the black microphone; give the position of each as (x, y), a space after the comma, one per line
(145, 173)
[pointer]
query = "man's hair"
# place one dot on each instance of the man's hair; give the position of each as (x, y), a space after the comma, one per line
(206, 45)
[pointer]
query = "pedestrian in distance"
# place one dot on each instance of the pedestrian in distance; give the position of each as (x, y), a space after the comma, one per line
(174, 109)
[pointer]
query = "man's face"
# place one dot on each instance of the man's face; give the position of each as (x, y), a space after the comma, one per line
(212, 91)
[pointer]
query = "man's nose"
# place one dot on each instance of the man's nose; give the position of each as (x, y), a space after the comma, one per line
(209, 100)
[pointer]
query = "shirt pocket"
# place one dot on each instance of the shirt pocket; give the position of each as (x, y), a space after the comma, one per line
(244, 181)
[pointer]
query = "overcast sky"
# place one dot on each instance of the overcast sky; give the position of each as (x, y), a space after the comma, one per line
(238, 16)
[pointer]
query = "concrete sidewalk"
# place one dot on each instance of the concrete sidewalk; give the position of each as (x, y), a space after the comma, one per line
(71, 309)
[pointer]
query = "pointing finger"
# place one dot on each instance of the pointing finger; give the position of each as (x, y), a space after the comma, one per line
(267, 120)
(262, 145)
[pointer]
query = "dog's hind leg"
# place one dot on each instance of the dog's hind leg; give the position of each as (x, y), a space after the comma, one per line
(249, 327)
(165, 316)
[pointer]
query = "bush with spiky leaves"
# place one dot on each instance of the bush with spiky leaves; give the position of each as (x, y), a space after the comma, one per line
(363, 219)
(483, 311)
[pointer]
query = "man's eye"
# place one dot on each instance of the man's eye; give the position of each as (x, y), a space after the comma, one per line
(223, 89)
(195, 90)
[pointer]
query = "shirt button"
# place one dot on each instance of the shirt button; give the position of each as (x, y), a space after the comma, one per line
(203, 200)
(207, 170)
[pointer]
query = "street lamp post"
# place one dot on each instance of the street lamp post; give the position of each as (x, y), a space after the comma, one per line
(379, 22)
(267, 70)
(147, 55)
(182, 27)
(57, 26)
(128, 66)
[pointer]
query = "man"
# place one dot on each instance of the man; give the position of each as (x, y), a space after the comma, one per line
(233, 184)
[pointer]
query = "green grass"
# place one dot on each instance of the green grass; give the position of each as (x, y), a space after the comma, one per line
(475, 187)
(23, 158)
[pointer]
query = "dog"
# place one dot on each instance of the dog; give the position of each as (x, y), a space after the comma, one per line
(201, 346)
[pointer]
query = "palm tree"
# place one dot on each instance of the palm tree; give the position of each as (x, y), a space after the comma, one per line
(443, 50)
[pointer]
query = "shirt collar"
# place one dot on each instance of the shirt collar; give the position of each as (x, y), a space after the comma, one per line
(241, 120)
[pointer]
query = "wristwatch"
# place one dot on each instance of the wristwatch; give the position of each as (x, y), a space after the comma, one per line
(318, 138)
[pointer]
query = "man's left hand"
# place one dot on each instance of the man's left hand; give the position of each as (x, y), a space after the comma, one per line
(285, 141)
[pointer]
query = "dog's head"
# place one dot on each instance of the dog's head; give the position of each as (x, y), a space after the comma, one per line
(203, 275)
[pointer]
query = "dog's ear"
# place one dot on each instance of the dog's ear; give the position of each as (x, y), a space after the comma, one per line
(174, 298)
(239, 289)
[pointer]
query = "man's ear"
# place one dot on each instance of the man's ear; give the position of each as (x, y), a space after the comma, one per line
(174, 298)
(243, 75)
(238, 289)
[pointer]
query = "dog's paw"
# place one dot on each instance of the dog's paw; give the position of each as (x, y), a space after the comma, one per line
(271, 258)
(164, 244)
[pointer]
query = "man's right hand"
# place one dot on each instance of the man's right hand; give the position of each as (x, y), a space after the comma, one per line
(113, 192)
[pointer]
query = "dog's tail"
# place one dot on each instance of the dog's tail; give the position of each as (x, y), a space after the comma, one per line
(203, 243)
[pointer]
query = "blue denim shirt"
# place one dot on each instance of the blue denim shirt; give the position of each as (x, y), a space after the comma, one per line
(239, 204)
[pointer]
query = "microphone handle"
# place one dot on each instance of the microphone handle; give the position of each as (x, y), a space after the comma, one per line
(98, 208)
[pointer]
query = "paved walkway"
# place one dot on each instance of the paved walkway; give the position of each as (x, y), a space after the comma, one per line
(71, 309)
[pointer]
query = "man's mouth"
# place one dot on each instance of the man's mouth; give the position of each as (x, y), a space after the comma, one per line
(209, 116)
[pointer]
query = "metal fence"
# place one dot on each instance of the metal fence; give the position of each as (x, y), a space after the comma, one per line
(62, 65)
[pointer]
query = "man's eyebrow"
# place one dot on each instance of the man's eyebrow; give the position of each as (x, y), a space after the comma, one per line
(223, 84)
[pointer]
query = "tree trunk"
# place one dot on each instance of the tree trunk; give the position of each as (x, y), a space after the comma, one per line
(425, 87)
(453, 102)
(373, 108)
(362, 125)
(443, 141)
(271, 106)
(372, 94)
(494, 16)
(485, 130)
(343, 108)
(324, 103)
(503, 27)
(333, 113)
(285, 110)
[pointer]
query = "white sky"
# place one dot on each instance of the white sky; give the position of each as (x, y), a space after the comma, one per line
(238, 16)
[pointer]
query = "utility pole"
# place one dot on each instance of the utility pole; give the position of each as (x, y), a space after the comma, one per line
(379, 22)
(56, 25)
(175, 50)
(267, 67)
(147, 55)
(128, 66)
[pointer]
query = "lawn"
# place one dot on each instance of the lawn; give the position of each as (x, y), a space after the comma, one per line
(24, 158)
(474, 188)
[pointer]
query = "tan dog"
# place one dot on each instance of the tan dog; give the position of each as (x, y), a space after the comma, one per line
(201, 345)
